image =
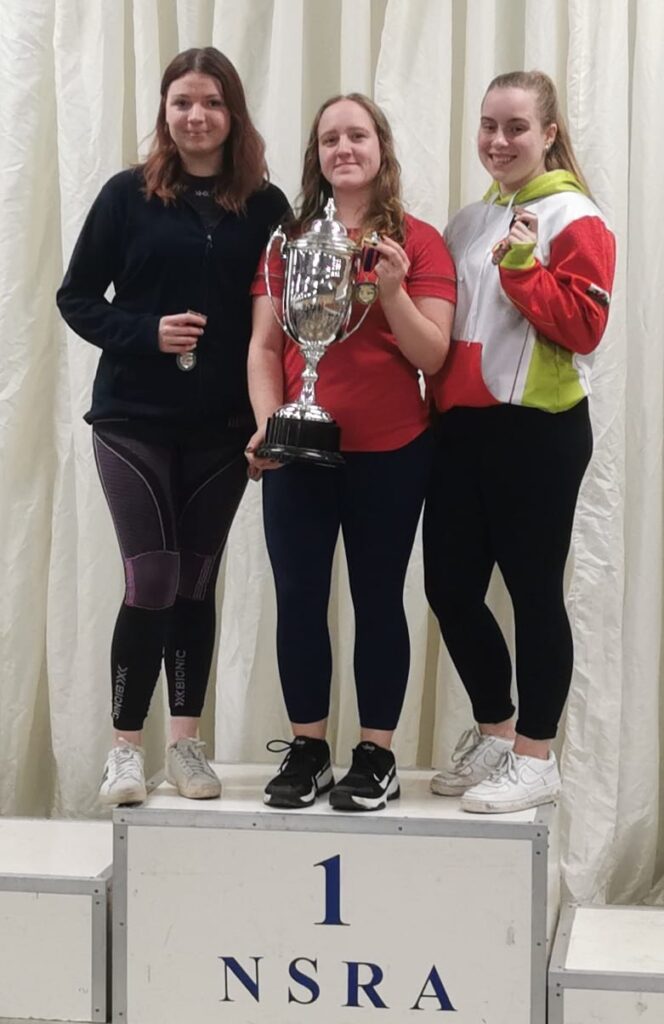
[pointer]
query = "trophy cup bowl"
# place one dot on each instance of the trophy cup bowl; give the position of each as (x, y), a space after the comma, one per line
(319, 288)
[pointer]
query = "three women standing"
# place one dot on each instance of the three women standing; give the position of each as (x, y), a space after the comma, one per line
(180, 239)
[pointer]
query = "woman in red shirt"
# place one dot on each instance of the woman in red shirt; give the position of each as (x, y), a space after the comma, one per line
(371, 386)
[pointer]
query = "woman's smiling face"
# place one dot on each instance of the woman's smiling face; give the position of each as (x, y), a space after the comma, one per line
(511, 142)
(198, 119)
(348, 146)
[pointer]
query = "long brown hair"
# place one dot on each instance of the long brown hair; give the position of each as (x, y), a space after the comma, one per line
(243, 168)
(560, 155)
(386, 213)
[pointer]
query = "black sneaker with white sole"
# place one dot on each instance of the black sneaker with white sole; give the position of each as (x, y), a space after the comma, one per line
(371, 781)
(304, 774)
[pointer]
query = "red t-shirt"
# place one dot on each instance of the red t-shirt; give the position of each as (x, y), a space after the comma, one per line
(365, 383)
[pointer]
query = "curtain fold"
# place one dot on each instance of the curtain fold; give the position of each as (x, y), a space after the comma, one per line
(29, 270)
(545, 42)
(194, 21)
(147, 57)
(80, 85)
(640, 795)
(597, 102)
(478, 66)
(355, 71)
(85, 576)
(414, 65)
(413, 85)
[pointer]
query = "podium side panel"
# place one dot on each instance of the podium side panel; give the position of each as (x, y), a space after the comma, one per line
(264, 926)
(45, 967)
(605, 1007)
(119, 924)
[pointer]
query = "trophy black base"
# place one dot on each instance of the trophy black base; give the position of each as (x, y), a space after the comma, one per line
(295, 440)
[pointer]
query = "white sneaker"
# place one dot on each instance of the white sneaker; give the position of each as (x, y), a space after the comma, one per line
(123, 781)
(187, 769)
(475, 757)
(519, 782)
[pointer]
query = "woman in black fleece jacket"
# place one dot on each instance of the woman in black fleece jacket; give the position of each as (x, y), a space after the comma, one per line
(179, 238)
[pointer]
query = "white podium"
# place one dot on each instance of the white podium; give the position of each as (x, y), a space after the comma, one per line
(54, 885)
(229, 911)
(607, 966)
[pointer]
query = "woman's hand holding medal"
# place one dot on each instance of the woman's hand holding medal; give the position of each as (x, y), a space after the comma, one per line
(523, 231)
(179, 332)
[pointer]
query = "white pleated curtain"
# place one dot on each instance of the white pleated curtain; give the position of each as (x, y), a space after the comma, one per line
(80, 84)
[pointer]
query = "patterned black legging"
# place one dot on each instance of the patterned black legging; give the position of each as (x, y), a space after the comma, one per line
(173, 491)
(503, 492)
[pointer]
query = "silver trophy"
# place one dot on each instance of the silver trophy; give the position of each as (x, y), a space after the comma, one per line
(320, 284)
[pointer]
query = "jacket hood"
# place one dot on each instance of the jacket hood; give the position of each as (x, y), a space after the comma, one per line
(547, 184)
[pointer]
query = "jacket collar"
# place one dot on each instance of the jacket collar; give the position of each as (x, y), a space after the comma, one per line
(547, 184)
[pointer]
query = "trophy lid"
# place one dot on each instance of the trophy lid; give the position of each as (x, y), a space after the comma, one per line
(327, 233)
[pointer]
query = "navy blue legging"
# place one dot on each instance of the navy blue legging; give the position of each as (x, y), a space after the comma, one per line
(173, 490)
(375, 498)
(503, 491)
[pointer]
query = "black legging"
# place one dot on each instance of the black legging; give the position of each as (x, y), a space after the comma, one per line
(376, 499)
(504, 489)
(173, 491)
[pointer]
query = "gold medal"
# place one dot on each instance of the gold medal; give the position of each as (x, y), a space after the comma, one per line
(365, 292)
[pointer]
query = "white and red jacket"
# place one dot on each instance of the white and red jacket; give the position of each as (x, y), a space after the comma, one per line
(525, 329)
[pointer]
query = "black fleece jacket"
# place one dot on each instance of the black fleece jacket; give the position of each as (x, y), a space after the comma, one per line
(160, 260)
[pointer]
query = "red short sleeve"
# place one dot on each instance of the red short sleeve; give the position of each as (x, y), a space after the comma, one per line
(276, 269)
(365, 382)
(431, 272)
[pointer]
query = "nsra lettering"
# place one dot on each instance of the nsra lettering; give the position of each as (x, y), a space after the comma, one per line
(362, 982)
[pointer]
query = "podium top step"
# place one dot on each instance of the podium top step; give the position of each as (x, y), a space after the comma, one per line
(58, 848)
(242, 797)
(617, 939)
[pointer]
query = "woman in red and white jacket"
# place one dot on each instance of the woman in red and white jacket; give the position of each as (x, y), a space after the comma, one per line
(370, 385)
(535, 263)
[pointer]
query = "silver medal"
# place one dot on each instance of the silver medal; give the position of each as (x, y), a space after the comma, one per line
(186, 361)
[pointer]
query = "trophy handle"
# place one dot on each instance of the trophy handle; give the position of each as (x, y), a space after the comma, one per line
(357, 325)
(281, 235)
